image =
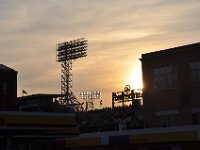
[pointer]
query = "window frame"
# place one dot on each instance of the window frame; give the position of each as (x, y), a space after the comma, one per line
(165, 77)
(194, 73)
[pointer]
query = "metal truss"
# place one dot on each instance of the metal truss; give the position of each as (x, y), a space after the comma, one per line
(66, 53)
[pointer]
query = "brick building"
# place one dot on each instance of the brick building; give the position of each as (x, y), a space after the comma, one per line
(8, 88)
(171, 93)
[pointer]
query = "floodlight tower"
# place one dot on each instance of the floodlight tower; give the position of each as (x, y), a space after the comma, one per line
(66, 53)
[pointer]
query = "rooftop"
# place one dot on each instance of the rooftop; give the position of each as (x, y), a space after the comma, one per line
(174, 50)
(4, 68)
(39, 96)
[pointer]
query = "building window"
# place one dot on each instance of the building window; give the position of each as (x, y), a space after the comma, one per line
(3, 88)
(165, 77)
(167, 118)
(195, 73)
(195, 115)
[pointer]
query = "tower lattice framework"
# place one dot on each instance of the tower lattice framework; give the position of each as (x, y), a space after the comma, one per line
(66, 53)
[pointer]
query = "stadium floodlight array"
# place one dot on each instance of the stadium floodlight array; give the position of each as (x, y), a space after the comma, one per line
(72, 50)
(66, 53)
(89, 97)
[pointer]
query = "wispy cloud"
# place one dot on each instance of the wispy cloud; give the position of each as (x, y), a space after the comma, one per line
(118, 33)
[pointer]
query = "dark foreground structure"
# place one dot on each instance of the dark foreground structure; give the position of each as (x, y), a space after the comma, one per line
(172, 138)
(35, 130)
(8, 88)
(171, 91)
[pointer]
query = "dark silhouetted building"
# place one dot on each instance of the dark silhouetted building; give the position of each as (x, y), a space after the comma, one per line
(40, 103)
(171, 91)
(8, 88)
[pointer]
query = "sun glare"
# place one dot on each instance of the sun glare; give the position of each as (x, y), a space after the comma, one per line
(134, 79)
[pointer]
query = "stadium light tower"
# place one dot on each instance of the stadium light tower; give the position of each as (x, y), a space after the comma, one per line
(66, 53)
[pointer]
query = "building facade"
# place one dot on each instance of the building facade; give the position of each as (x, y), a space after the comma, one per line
(40, 103)
(8, 88)
(171, 90)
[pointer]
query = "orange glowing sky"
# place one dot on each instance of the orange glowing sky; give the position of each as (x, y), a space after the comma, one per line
(118, 32)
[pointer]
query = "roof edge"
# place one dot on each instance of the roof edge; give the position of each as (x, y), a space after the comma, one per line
(170, 50)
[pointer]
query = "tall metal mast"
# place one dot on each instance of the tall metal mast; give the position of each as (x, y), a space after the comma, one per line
(66, 53)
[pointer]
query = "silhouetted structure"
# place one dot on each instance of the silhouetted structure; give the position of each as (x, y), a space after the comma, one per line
(127, 95)
(40, 103)
(171, 81)
(27, 130)
(172, 138)
(107, 119)
(89, 97)
(8, 88)
(66, 53)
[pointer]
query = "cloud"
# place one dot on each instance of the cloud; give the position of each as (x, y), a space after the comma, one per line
(118, 32)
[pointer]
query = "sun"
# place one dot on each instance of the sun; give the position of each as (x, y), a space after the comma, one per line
(134, 78)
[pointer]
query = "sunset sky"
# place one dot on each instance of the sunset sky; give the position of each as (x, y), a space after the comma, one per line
(118, 32)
